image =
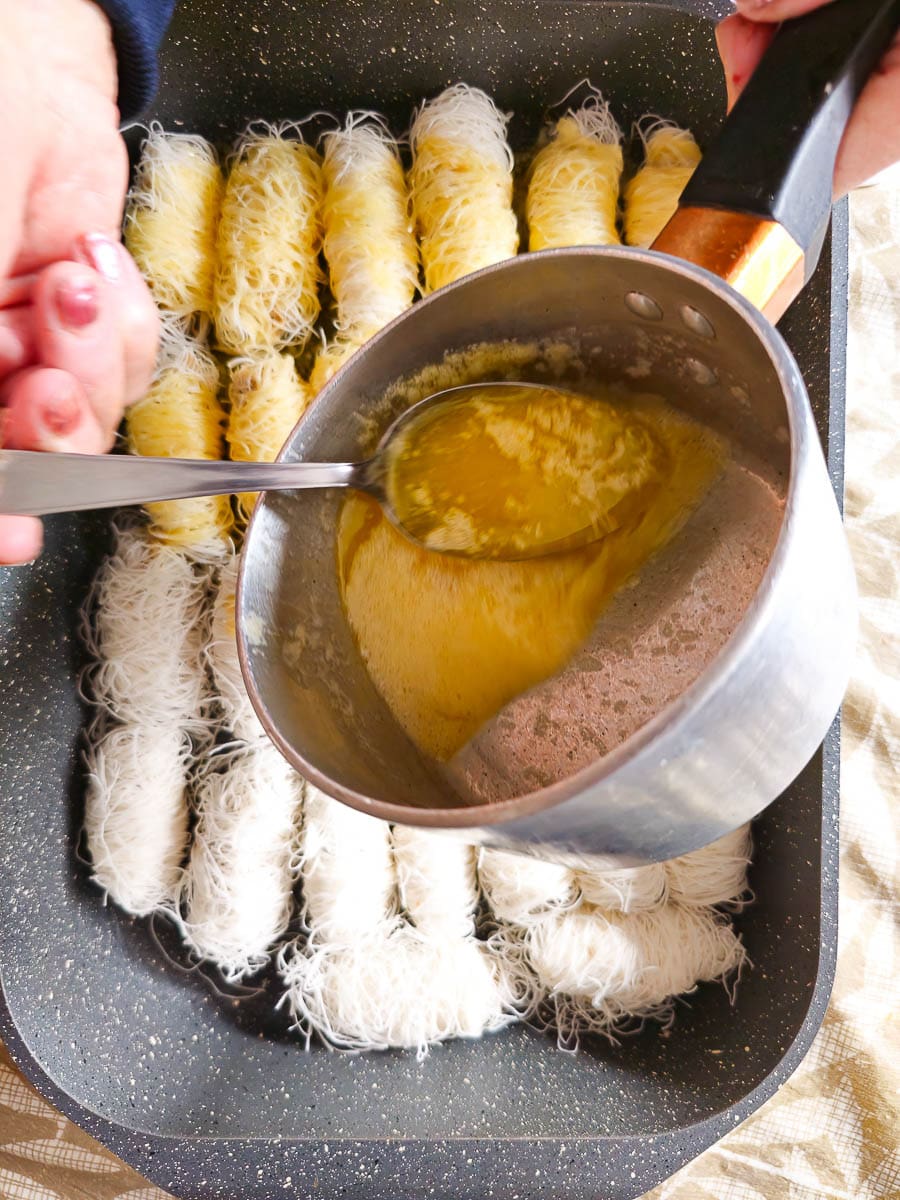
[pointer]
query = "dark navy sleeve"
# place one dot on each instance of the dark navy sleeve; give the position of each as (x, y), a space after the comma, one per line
(138, 27)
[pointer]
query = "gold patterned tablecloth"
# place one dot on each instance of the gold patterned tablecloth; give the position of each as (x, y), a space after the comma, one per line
(833, 1131)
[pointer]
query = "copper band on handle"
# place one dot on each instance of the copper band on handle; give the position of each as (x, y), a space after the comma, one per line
(759, 258)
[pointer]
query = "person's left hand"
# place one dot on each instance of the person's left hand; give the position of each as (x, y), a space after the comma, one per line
(78, 329)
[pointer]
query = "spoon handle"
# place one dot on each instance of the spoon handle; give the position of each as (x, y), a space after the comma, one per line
(35, 484)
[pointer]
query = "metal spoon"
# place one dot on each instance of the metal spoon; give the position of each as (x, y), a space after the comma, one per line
(36, 484)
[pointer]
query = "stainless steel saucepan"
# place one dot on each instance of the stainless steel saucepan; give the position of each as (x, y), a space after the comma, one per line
(703, 692)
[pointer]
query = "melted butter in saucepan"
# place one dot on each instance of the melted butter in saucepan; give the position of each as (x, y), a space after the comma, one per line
(449, 641)
(516, 471)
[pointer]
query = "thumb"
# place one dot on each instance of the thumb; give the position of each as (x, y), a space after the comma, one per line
(20, 540)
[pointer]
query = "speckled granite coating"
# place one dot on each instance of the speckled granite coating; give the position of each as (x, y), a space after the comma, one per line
(210, 1095)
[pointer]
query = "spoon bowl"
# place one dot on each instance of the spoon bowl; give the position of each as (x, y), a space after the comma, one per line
(543, 521)
(512, 471)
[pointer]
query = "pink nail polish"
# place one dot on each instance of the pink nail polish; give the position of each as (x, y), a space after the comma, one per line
(61, 415)
(102, 254)
(77, 304)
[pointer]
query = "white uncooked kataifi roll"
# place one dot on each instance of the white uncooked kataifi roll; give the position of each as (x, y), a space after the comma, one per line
(221, 651)
(436, 878)
(625, 966)
(349, 887)
(236, 892)
(136, 814)
(631, 889)
(396, 989)
(519, 888)
(148, 602)
(715, 874)
(149, 688)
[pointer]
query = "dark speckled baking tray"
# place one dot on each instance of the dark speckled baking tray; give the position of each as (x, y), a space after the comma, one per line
(211, 1096)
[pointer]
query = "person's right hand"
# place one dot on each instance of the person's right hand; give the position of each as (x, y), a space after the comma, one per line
(872, 140)
(78, 329)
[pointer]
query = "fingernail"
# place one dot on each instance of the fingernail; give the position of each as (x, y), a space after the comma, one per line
(750, 5)
(77, 304)
(102, 253)
(61, 415)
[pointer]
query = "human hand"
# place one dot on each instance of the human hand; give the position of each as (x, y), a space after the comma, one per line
(872, 140)
(78, 329)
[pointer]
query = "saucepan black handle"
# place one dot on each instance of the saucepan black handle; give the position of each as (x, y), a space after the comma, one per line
(775, 156)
